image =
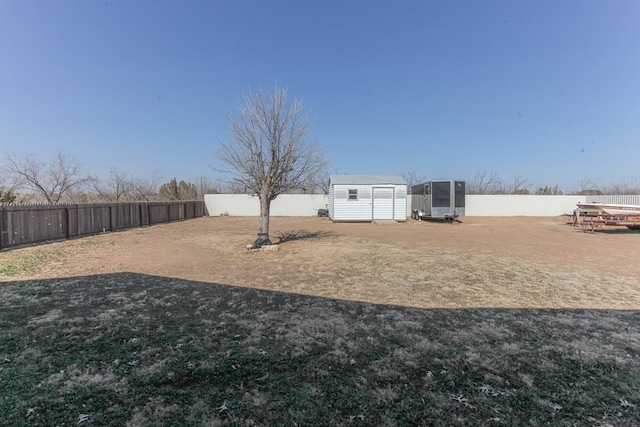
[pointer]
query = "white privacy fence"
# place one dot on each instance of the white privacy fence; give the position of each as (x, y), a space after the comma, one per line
(283, 205)
(520, 205)
(476, 205)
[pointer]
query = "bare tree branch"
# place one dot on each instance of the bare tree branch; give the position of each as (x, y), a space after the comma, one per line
(589, 186)
(484, 183)
(631, 186)
(207, 186)
(116, 188)
(53, 180)
(412, 177)
(146, 188)
(266, 150)
(520, 185)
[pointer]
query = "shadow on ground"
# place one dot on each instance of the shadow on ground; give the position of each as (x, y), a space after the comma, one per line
(613, 231)
(131, 349)
(288, 236)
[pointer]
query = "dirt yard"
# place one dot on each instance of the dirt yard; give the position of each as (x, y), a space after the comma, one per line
(479, 262)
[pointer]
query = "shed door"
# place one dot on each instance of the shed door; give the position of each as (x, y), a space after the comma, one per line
(382, 203)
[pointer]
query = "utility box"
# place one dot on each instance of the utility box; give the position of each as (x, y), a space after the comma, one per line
(442, 199)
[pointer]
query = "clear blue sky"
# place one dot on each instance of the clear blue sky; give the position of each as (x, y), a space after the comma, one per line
(548, 90)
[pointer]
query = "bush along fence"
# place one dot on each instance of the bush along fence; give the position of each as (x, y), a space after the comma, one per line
(26, 224)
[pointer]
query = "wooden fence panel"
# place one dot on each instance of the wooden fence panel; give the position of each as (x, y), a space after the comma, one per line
(193, 209)
(200, 209)
(25, 224)
(145, 214)
(126, 215)
(176, 211)
(158, 213)
(93, 219)
(189, 210)
(72, 221)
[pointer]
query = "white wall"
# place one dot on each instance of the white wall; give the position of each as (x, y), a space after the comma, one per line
(283, 205)
(519, 205)
(476, 205)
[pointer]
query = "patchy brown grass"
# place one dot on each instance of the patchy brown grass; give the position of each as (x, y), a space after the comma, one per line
(517, 321)
(482, 262)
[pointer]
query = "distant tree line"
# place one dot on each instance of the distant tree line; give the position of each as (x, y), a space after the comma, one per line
(63, 179)
(492, 183)
(29, 179)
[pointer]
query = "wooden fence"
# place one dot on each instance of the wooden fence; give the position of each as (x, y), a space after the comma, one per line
(26, 224)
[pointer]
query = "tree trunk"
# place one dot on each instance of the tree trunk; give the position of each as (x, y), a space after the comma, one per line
(263, 231)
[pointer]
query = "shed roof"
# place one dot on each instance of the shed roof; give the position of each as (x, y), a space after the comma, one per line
(367, 179)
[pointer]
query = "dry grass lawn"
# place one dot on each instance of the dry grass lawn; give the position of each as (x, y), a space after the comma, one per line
(481, 262)
(492, 321)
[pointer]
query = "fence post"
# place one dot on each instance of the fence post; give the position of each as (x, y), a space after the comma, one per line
(113, 219)
(2, 214)
(67, 219)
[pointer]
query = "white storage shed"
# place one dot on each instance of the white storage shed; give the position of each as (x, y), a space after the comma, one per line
(367, 198)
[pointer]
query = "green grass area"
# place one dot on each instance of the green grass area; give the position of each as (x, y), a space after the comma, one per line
(136, 350)
(14, 263)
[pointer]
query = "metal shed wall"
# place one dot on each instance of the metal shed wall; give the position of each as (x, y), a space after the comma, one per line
(371, 197)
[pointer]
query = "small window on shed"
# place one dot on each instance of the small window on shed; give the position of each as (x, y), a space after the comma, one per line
(353, 194)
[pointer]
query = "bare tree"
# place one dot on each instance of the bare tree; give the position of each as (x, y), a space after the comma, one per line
(236, 187)
(145, 188)
(322, 184)
(114, 189)
(484, 183)
(267, 151)
(206, 186)
(588, 186)
(412, 177)
(317, 184)
(53, 180)
(520, 185)
(632, 186)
